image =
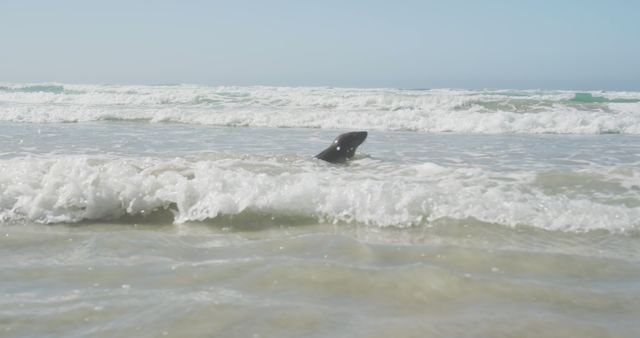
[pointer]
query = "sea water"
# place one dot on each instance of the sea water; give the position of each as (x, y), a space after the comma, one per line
(200, 211)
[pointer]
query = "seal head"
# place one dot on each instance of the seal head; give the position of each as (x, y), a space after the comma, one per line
(343, 147)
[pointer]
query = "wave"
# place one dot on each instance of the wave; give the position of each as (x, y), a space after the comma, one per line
(43, 88)
(590, 98)
(460, 111)
(301, 191)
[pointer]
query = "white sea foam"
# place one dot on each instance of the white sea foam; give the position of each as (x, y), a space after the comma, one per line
(460, 111)
(77, 188)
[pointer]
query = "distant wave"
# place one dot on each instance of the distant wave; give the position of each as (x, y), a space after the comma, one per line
(590, 98)
(36, 88)
(78, 188)
(459, 111)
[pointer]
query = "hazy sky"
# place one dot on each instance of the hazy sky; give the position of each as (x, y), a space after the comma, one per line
(552, 44)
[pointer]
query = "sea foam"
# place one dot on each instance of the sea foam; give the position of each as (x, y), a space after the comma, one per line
(80, 188)
(460, 111)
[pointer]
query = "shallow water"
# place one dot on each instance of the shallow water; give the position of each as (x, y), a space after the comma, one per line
(215, 280)
(122, 228)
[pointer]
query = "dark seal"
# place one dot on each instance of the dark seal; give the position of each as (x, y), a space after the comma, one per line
(343, 147)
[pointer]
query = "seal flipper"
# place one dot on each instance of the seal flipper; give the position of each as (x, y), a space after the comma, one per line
(343, 147)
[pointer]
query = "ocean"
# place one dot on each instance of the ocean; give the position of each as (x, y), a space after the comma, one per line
(196, 211)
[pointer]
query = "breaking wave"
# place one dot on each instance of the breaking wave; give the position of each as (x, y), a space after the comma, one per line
(79, 188)
(459, 111)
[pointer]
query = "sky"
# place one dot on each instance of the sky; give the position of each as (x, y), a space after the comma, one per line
(545, 44)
